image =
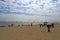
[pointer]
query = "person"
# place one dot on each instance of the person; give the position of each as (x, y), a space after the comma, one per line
(52, 25)
(48, 26)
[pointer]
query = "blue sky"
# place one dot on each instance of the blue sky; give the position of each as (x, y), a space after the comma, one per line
(30, 10)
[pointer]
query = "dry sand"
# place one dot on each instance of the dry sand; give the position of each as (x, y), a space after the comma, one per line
(29, 33)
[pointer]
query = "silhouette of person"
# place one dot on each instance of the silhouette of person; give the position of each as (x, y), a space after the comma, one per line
(52, 25)
(48, 26)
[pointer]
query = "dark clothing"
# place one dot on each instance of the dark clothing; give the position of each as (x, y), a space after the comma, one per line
(49, 26)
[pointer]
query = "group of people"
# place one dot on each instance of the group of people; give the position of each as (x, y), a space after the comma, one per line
(48, 26)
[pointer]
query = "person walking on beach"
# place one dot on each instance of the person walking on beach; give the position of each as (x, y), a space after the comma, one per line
(48, 26)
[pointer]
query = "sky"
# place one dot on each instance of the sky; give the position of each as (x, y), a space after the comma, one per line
(30, 10)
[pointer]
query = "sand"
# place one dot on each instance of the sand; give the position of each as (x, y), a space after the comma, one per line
(29, 33)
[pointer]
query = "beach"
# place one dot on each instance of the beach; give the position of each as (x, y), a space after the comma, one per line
(34, 32)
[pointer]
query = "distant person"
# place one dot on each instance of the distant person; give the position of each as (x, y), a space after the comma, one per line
(48, 26)
(52, 25)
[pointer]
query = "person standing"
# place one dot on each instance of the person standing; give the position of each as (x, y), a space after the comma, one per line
(48, 26)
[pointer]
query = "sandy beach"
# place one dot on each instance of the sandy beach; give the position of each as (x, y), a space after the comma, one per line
(29, 33)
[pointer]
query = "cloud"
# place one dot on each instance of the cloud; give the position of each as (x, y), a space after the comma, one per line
(13, 17)
(29, 10)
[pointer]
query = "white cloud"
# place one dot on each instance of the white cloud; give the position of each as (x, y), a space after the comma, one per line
(37, 7)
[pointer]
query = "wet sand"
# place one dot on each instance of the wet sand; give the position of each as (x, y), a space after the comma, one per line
(29, 33)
